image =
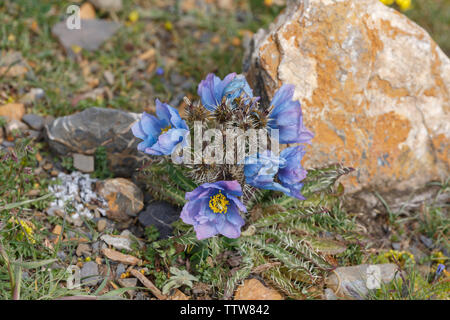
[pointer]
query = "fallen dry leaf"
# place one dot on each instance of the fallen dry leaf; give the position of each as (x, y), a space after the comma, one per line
(120, 257)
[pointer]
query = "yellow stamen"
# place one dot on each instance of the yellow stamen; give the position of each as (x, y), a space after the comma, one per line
(219, 203)
(164, 130)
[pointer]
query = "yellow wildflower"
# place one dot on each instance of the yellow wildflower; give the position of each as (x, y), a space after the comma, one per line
(26, 227)
(387, 2)
(168, 25)
(404, 4)
(133, 16)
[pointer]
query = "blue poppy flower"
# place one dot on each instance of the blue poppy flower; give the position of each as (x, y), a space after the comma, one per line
(212, 90)
(286, 116)
(238, 87)
(163, 133)
(262, 170)
(213, 208)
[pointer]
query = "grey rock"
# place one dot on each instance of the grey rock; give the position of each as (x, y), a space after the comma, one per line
(8, 144)
(396, 246)
(109, 76)
(427, 242)
(89, 274)
(355, 282)
(108, 5)
(83, 163)
(120, 269)
(119, 243)
(128, 282)
(92, 34)
(14, 125)
(34, 95)
(34, 121)
(61, 255)
(33, 134)
(85, 131)
(160, 214)
(329, 294)
(96, 247)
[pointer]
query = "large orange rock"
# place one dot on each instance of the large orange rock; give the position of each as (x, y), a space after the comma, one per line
(374, 89)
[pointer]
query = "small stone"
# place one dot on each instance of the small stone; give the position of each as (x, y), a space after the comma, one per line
(120, 269)
(101, 225)
(34, 121)
(160, 214)
(92, 34)
(96, 247)
(61, 255)
(15, 125)
(178, 295)
(427, 242)
(109, 76)
(124, 198)
(83, 163)
(108, 5)
(89, 274)
(83, 249)
(34, 95)
(253, 289)
(12, 111)
(128, 283)
(396, 245)
(329, 294)
(117, 242)
(32, 134)
(57, 230)
(87, 11)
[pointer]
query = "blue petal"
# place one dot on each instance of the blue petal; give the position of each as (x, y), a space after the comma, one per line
(151, 125)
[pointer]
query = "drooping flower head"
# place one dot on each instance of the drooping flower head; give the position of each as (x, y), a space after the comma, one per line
(286, 116)
(213, 90)
(293, 173)
(213, 208)
(262, 170)
(163, 133)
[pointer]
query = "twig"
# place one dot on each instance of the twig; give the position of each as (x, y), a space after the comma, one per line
(148, 284)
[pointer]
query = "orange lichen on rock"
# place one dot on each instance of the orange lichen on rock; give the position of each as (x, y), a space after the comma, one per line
(374, 88)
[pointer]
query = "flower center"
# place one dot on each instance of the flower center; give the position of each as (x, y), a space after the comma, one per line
(219, 203)
(164, 130)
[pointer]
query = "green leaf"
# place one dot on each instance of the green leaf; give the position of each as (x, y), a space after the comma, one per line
(33, 264)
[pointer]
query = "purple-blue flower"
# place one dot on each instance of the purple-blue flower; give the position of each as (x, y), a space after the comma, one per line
(212, 90)
(213, 208)
(286, 116)
(163, 133)
(262, 170)
(439, 269)
(238, 87)
(292, 173)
